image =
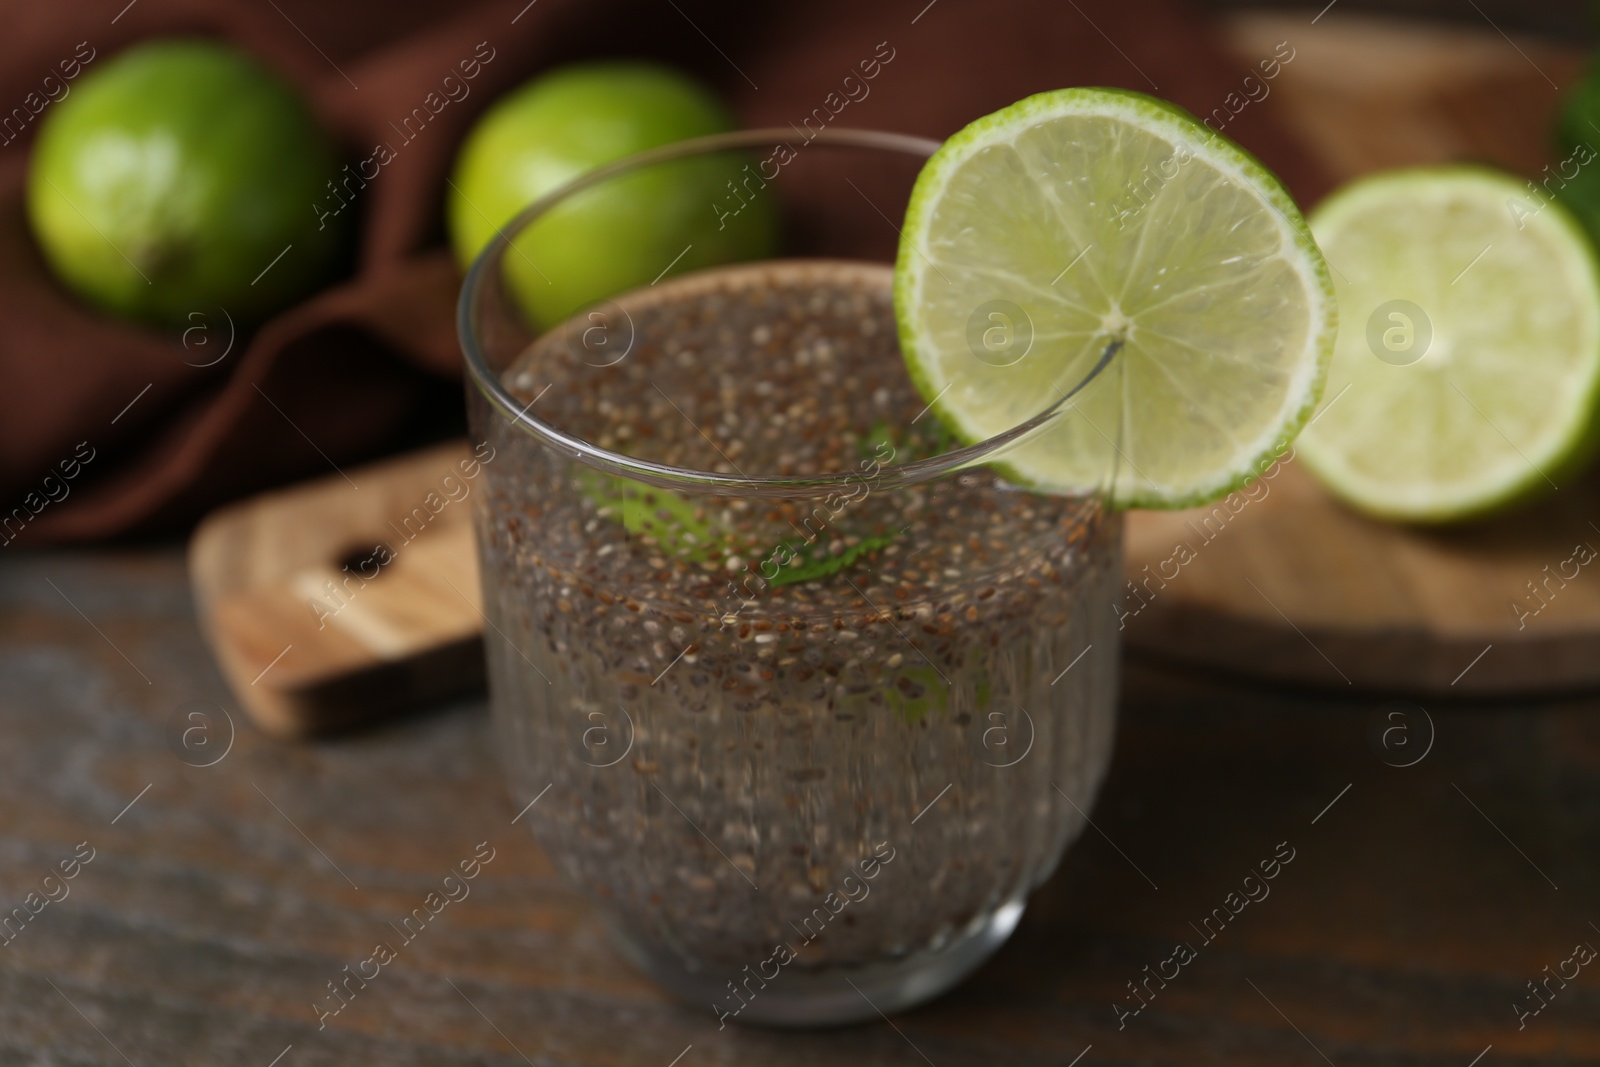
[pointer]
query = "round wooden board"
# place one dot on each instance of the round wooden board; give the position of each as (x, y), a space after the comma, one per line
(1287, 584)
(1283, 582)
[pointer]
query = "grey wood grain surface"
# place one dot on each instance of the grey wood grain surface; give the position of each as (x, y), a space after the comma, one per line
(221, 899)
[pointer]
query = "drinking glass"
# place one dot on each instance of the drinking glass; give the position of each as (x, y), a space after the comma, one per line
(811, 697)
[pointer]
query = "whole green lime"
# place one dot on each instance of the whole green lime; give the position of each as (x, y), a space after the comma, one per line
(667, 218)
(174, 177)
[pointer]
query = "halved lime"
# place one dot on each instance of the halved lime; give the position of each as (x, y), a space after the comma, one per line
(1467, 374)
(1083, 220)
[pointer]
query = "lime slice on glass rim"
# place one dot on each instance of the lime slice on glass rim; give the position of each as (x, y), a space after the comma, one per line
(1471, 354)
(1086, 222)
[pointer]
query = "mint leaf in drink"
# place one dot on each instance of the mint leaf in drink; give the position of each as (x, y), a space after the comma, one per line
(933, 439)
(684, 530)
(879, 439)
(917, 693)
(812, 561)
(674, 523)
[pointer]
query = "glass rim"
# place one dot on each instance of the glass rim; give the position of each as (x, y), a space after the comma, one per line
(689, 479)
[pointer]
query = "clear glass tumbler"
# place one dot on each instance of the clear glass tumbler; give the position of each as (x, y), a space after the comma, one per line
(817, 697)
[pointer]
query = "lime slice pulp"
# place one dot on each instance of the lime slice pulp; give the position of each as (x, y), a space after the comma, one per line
(1467, 374)
(1086, 220)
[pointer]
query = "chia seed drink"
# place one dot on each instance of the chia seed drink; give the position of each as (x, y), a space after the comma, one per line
(815, 708)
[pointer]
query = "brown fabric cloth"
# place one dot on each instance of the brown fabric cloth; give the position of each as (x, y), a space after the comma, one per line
(360, 367)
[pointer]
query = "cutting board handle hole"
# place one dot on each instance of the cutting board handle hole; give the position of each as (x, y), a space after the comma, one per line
(365, 561)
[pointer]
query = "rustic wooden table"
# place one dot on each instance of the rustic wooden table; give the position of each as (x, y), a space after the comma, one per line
(1445, 871)
(220, 900)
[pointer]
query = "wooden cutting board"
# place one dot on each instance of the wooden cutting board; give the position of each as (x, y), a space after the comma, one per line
(347, 598)
(1290, 585)
(1282, 583)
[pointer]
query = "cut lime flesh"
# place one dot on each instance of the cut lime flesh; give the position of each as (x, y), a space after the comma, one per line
(1467, 373)
(1082, 219)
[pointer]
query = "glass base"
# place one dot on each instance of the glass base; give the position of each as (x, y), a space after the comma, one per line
(832, 997)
